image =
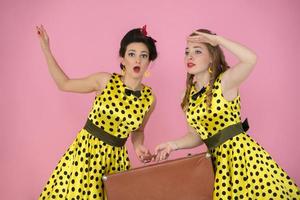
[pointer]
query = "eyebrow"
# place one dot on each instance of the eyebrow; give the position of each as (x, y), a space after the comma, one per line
(134, 51)
(194, 47)
(197, 47)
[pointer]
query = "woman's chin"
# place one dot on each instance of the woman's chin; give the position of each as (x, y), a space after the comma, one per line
(136, 75)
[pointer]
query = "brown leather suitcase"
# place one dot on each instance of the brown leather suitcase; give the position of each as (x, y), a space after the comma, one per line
(189, 178)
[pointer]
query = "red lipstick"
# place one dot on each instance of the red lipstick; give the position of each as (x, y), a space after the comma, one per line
(190, 65)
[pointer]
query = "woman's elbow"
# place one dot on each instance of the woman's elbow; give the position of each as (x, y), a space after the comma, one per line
(63, 86)
(252, 59)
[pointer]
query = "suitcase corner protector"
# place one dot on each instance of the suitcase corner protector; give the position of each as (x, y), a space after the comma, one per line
(104, 178)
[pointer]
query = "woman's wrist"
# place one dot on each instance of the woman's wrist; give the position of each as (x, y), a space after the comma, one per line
(137, 145)
(47, 51)
(219, 40)
(173, 146)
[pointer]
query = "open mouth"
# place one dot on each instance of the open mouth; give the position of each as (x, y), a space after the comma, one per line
(136, 69)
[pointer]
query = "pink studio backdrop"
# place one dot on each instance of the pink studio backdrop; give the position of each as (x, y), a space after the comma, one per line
(39, 122)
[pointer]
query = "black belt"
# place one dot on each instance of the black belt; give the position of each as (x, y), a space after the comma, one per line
(104, 136)
(226, 134)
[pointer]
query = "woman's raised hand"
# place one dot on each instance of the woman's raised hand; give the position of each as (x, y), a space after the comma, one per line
(43, 37)
(200, 37)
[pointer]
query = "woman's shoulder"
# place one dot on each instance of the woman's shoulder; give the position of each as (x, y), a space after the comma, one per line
(103, 75)
(147, 88)
(103, 79)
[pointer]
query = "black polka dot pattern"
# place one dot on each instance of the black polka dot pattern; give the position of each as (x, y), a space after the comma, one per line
(118, 113)
(78, 174)
(243, 169)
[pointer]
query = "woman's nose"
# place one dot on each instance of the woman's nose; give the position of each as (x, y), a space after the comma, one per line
(190, 57)
(138, 60)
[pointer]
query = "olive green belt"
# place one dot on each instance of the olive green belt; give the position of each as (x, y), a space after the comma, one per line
(226, 134)
(103, 135)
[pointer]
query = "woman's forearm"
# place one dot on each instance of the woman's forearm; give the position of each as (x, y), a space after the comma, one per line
(244, 54)
(188, 141)
(137, 138)
(56, 72)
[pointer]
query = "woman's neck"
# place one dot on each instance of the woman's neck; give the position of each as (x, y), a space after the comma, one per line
(132, 83)
(201, 79)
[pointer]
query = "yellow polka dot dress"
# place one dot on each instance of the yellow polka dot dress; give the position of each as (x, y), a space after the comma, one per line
(243, 169)
(78, 174)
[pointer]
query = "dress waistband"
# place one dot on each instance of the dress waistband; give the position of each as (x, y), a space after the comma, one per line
(226, 134)
(103, 135)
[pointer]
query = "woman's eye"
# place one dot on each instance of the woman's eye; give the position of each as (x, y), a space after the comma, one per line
(131, 54)
(144, 56)
(186, 53)
(198, 51)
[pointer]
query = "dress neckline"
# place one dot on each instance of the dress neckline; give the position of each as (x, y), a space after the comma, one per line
(124, 85)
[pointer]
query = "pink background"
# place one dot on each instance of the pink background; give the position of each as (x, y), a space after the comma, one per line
(39, 122)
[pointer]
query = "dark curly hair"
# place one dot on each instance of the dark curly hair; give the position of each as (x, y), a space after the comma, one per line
(136, 35)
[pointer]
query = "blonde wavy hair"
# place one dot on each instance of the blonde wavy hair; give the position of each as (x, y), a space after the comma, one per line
(217, 66)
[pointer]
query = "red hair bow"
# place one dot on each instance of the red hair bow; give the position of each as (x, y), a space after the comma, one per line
(143, 30)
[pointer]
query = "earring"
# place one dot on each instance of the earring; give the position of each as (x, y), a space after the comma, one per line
(123, 72)
(210, 70)
(147, 74)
